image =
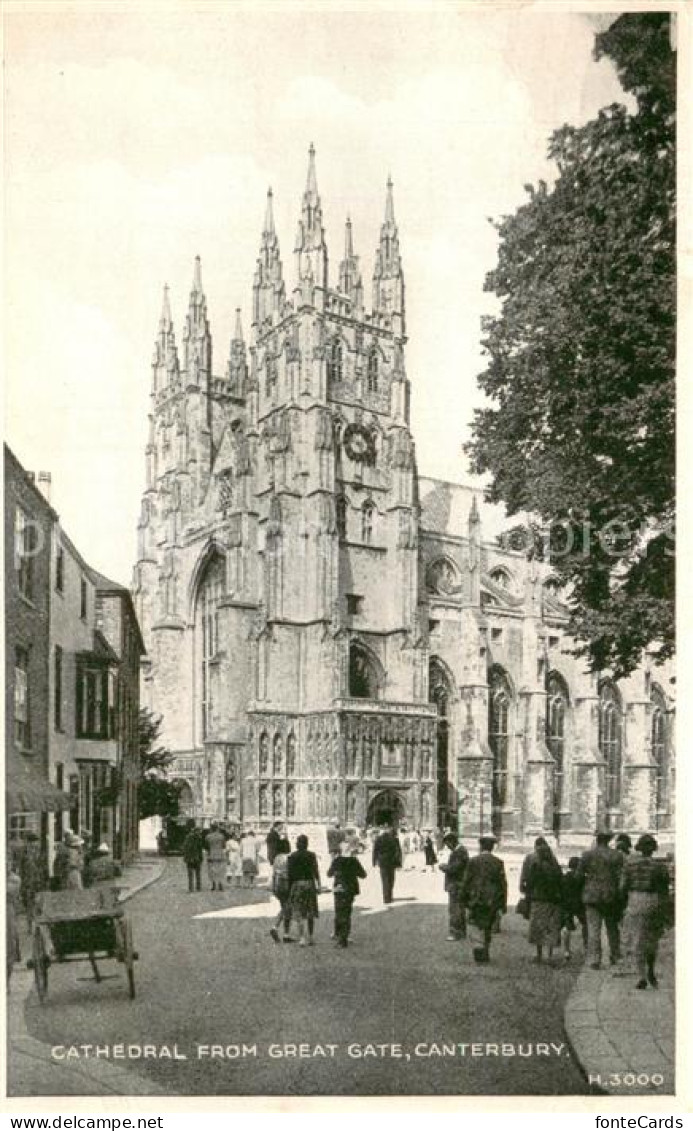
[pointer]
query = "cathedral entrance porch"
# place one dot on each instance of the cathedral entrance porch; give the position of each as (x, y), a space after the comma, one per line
(386, 808)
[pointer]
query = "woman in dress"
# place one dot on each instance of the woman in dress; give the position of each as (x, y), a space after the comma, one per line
(429, 851)
(250, 850)
(280, 889)
(304, 884)
(645, 884)
(233, 861)
(542, 884)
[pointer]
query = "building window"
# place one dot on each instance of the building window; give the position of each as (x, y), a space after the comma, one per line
(610, 742)
(499, 736)
(291, 755)
(290, 801)
(58, 687)
(58, 818)
(209, 594)
(92, 701)
(341, 508)
(354, 604)
(501, 577)
(22, 699)
(556, 712)
(264, 754)
(363, 674)
(367, 511)
(263, 801)
(658, 747)
(335, 362)
(372, 371)
(60, 570)
(278, 755)
(277, 801)
(25, 546)
(83, 599)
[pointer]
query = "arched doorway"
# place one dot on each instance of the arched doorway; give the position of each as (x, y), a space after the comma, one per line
(186, 801)
(386, 808)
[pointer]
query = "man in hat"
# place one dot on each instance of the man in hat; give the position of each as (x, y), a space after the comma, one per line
(599, 872)
(335, 837)
(485, 895)
(193, 852)
(387, 855)
(454, 870)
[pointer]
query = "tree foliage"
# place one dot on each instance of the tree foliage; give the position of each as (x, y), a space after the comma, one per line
(580, 378)
(158, 796)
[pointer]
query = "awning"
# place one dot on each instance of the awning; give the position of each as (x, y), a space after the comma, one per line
(27, 791)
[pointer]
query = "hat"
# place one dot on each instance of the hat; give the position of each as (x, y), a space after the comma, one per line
(646, 843)
(103, 849)
(487, 841)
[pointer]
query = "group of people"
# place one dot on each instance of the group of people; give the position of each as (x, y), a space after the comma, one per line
(625, 893)
(231, 856)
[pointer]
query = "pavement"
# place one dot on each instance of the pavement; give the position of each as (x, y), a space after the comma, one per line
(624, 1038)
(31, 1070)
(618, 1040)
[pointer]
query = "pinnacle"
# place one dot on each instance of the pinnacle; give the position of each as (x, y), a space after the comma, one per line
(238, 331)
(389, 203)
(269, 214)
(197, 276)
(348, 240)
(166, 319)
(312, 181)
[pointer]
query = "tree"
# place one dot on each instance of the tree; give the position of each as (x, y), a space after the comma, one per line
(157, 795)
(580, 376)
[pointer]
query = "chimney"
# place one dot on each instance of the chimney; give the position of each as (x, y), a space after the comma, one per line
(44, 484)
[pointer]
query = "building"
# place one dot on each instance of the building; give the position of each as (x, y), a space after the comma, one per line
(73, 691)
(330, 633)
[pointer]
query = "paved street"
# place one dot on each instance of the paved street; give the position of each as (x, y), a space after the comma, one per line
(209, 974)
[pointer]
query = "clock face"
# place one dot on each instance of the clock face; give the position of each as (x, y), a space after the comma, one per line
(358, 443)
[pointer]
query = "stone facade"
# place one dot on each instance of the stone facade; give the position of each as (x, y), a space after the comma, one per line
(329, 633)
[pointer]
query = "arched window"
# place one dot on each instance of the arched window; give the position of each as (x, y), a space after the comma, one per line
(341, 509)
(277, 755)
(502, 578)
(372, 371)
(556, 714)
(263, 761)
(291, 801)
(263, 801)
(658, 746)
(367, 511)
(499, 735)
(290, 756)
(335, 362)
(277, 801)
(610, 742)
(363, 674)
(210, 592)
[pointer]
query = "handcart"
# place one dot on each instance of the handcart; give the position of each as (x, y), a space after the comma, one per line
(77, 926)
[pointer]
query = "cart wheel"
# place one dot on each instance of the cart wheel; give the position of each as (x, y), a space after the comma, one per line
(129, 956)
(40, 964)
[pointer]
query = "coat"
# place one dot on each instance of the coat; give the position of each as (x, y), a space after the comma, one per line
(273, 840)
(485, 884)
(387, 852)
(216, 846)
(600, 872)
(347, 871)
(335, 838)
(544, 882)
(193, 848)
(455, 868)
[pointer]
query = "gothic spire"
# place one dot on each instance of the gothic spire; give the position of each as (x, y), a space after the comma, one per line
(197, 276)
(312, 180)
(389, 204)
(388, 279)
(237, 370)
(238, 330)
(349, 274)
(197, 341)
(310, 237)
(166, 322)
(269, 215)
(165, 360)
(268, 284)
(348, 239)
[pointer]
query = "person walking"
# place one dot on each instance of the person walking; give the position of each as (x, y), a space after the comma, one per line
(543, 887)
(485, 895)
(335, 837)
(193, 851)
(429, 851)
(346, 870)
(75, 861)
(274, 839)
(573, 909)
(234, 869)
(454, 871)
(216, 856)
(387, 855)
(280, 889)
(599, 872)
(250, 851)
(645, 884)
(304, 884)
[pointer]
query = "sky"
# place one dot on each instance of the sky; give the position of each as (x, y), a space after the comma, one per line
(139, 137)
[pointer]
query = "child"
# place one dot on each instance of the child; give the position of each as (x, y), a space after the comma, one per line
(573, 907)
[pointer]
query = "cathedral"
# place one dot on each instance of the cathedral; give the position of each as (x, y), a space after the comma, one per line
(330, 633)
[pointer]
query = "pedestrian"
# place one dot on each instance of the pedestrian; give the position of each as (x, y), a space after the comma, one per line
(346, 870)
(387, 855)
(573, 909)
(430, 856)
(234, 868)
(75, 861)
(32, 874)
(280, 889)
(304, 884)
(216, 856)
(13, 889)
(102, 869)
(645, 883)
(485, 895)
(193, 851)
(405, 842)
(454, 870)
(600, 874)
(274, 838)
(335, 837)
(250, 851)
(543, 888)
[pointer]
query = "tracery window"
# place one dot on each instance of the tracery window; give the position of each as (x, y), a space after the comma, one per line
(367, 511)
(363, 674)
(658, 746)
(210, 593)
(610, 742)
(499, 734)
(556, 714)
(277, 755)
(372, 371)
(335, 362)
(291, 755)
(341, 510)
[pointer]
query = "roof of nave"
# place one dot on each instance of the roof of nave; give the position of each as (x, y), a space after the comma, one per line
(445, 509)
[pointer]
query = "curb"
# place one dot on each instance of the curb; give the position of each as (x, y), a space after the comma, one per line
(22, 1048)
